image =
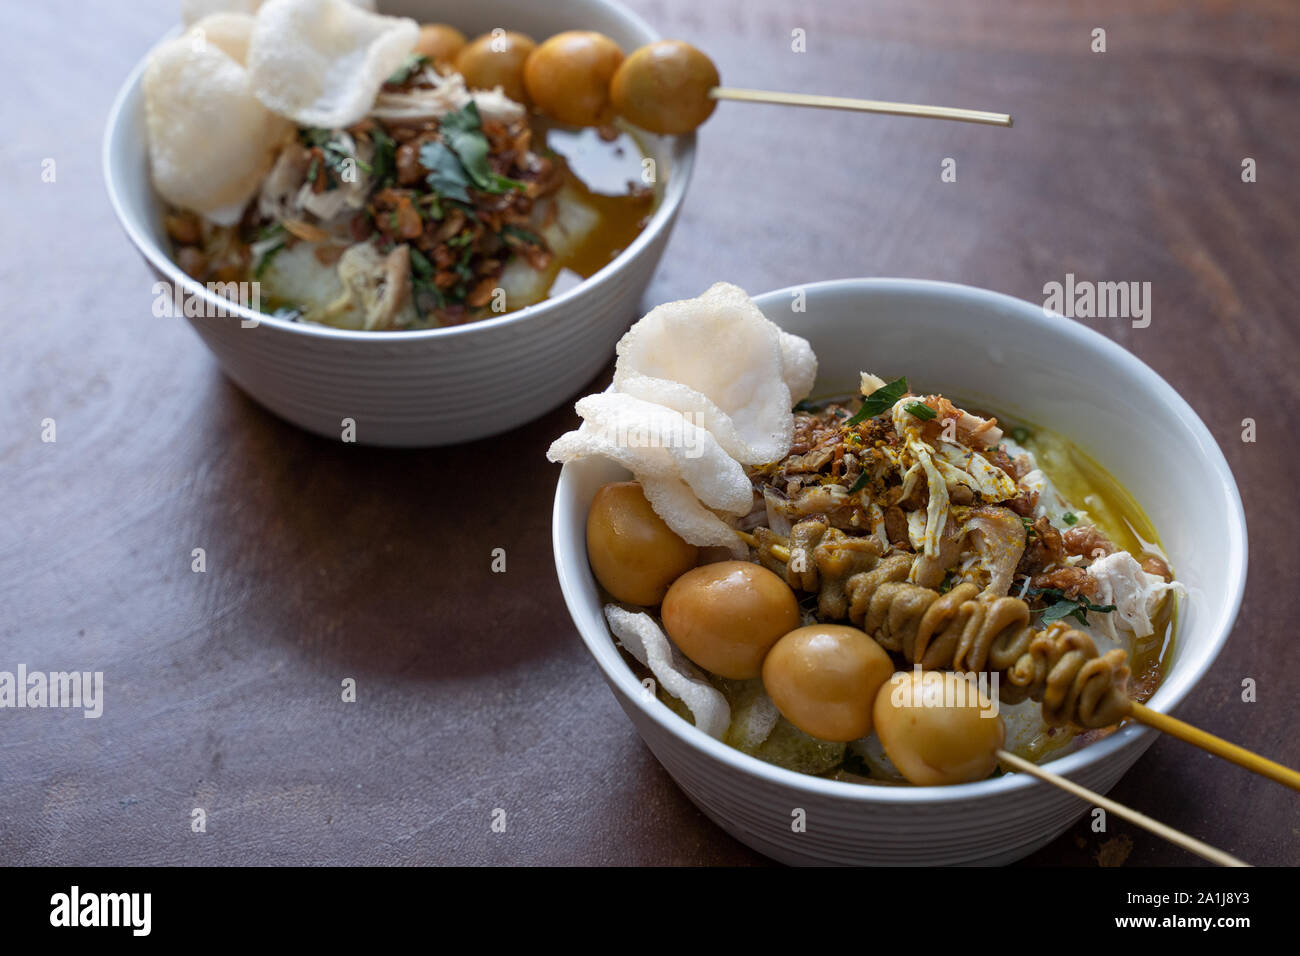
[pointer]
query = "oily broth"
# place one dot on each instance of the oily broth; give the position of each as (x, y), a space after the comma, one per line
(599, 172)
(1087, 485)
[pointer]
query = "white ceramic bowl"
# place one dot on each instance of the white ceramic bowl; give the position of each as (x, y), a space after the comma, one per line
(1006, 355)
(437, 386)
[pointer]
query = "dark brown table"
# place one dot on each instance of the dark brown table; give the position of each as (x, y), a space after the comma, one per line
(324, 562)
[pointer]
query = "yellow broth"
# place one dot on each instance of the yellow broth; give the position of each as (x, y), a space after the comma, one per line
(1087, 485)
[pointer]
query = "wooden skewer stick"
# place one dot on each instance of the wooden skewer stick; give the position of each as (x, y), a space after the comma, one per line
(1153, 718)
(1177, 837)
(1215, 745)
(862, 106)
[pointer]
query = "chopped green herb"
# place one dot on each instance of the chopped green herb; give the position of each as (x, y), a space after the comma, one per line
(880, 400)
(411, 64)
(1020, 435)
(462, 130)
(446, 175)
(420, 264)
(265, 261)
(524, 235)
(863, 480)
(1068, 607)
(920, 410)
(1074, 609)
(458, 159)
(337, 157)
(1070, 518)
(435, 211)
(462, 266)
(384, 162)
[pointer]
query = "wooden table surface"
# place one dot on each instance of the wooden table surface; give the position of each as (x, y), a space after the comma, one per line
(324, 561)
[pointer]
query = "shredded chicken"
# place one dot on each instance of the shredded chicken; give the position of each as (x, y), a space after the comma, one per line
(929, 570)
(378, 284)
(430, 95)
(970, 430)
(278, 198)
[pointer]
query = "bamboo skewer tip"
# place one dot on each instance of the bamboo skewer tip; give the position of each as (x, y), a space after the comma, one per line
(819, 101)
(1177, 837)
(1215, 745)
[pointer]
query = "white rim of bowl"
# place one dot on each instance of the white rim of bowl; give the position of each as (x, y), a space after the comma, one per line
(1166, 698)
(681, 150)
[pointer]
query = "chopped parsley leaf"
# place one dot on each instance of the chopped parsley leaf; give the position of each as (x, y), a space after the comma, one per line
(863, 480)
(879, 401)
(1068, 607)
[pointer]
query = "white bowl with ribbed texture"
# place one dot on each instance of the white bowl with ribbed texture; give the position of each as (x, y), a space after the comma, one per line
(1007, 355)
(437, 386)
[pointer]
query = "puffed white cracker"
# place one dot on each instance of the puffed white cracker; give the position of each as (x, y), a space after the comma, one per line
(798, 366)
(673, 500)
(321, 62)
(644, 640)
(211, 141)
(194, 10)
(229, 32)
(753, 715)
(653, 441)
(719, 359)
